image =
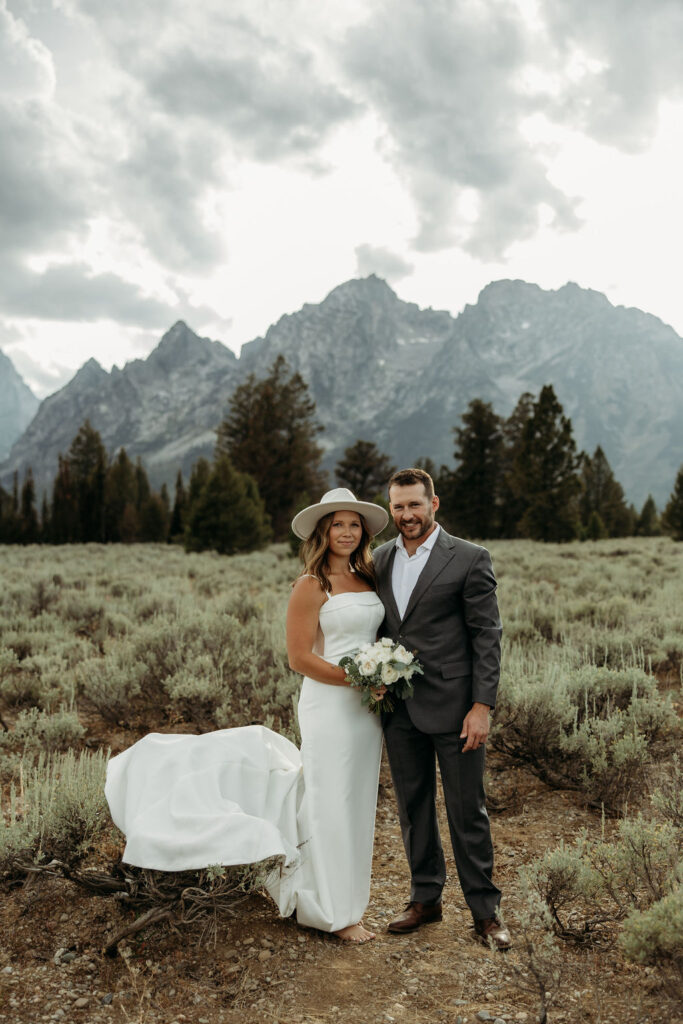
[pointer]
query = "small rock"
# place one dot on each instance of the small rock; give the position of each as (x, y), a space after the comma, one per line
(265, 954)
(107, 998)
(68, 958)
(459, 1002)
(63, 918)
(247, 942)
(80, 1004)
(7, 970)
(267, 944)
(522, 1015)
(484, 1015)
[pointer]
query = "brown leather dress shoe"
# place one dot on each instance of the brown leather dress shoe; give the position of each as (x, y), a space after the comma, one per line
(414, 916)
(490, 928)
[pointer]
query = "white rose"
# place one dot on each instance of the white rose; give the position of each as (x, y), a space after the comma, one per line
(389, 674)
(387, 641)
(402, 655)
(384, 655)
(367, 666)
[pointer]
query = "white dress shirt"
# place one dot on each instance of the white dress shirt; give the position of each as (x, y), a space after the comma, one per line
(407, 569)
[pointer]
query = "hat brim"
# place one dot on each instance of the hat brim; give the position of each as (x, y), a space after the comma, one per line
(304, 523)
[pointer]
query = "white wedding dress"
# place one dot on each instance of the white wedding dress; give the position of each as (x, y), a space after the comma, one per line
(239, 796)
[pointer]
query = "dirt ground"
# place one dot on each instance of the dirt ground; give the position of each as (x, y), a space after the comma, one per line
(263, 969)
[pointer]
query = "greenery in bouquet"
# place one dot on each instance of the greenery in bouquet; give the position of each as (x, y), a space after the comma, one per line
(383, 667)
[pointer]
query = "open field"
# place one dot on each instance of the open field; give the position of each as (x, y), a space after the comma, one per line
(99, 645)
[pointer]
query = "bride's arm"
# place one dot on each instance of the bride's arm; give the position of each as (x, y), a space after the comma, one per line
(302, 629)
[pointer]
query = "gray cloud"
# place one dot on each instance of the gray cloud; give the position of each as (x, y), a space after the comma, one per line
(636, 47)
(272, 103)
(44, 197)
(448, 81)
(42, 378)
(70, 292)
(371, 259)
(445, 85)
(159, 188)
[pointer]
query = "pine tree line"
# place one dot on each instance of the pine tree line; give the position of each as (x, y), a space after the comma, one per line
(514, 477)
(523, 477)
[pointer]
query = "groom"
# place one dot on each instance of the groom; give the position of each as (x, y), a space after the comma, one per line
(439, 593)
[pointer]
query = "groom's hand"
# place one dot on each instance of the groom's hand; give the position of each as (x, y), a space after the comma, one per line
(475, 728)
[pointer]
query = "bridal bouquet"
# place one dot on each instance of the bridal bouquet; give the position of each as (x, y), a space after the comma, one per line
(382, 664)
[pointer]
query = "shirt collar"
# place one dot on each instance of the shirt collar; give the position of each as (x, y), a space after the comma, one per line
(426, 545)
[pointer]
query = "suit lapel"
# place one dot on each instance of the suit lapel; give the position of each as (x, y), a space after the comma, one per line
(385, 583)
(440, 556)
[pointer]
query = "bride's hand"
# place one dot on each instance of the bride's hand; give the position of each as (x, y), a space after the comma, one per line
(378, 693)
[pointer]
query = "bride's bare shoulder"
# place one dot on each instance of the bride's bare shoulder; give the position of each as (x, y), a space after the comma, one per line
(308, 588)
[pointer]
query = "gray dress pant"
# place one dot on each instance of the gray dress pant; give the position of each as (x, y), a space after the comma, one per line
(412, 758)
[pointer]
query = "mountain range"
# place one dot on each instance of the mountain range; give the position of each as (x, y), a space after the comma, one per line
(385, 370)
(18, 405)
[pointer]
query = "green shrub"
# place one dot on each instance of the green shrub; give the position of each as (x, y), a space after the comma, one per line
(598, 882)
(58, 812)
(589, 728)
(655, 936)
(36, 730)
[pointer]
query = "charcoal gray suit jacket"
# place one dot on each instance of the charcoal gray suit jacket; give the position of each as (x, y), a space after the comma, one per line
(453, 626)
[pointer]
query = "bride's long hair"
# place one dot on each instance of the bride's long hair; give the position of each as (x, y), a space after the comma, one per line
(314, 550)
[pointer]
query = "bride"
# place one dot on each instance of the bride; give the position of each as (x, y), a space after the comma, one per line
(239, 796)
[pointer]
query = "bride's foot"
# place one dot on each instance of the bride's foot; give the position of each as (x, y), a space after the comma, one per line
(355, 933)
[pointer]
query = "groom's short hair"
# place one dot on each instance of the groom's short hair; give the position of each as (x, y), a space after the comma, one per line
(407, 477)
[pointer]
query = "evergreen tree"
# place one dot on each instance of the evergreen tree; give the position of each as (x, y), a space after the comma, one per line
(5, 514)
(365, 470)
(120, 498)
(475, 484)
(227, 515)
(154, 520)
(270, 433)
(142, 489)
(544, 472)
(198, 477)
(177, 524)
(64, 525)
(648, 524)
(513, 500)
(595, 528)
(10, 526)
(603, 495)
(88, 465)
(29, 529)
(44, 519)
(672, 520)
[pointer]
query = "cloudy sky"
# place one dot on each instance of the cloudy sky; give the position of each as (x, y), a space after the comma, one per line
(225, 161)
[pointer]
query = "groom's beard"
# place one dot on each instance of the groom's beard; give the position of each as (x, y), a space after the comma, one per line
(417, 528)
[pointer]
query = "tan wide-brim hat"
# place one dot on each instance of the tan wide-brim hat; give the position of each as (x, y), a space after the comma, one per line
(337, 500)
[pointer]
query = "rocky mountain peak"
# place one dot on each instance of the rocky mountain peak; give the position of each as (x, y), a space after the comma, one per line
(180, 347)
(90, 374)
(371, 289)
(18, 405)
